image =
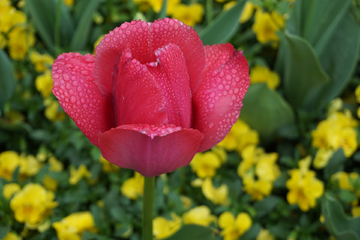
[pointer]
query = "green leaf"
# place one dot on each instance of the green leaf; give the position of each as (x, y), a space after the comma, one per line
(222, 27)
(347, 196)
(265, 206)
(7, 78)
(265, 111)
(192, 232)
(335, 164)
(304, 77)
(162, 13)
(252, 233)
(93, 236)
(337, 223)
(82, 31)
(4, 229)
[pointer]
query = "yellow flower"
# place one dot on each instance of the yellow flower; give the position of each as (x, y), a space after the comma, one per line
(343, 179)
(163, 228)
(257, 189)
(246, 13)
(10, 189)
(52, 110)
(355, 211)
(41, 61)
(157, 4)
(98, 40)
(144, 5)
(234, 228)
(304, 187)
(72, 226)
(9, 161)
(190, 15)
(44, 83)
(261, 74)
(9, 17)
(239, 137)
(68, 3)
(29, 166)
(187, 202)
(20, 40)
(322, 158)
(107, 166)
(55, 165)
(3, 41)
(50, 183)
(205, 164)
(335, 105)
(357, 94)
(77, 174)
(133, 187)
(266, 25)
(266, 168)
(200, 215)
(264, 235)
(11, 236)
(32, 204)
(218, 196)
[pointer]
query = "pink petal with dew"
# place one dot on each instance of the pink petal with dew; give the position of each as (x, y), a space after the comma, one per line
(150, 150)
(218, 100)
(79, 96)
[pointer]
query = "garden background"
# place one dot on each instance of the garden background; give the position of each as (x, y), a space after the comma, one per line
(288, 169)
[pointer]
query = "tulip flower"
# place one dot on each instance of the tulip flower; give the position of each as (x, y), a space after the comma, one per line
(152, 95)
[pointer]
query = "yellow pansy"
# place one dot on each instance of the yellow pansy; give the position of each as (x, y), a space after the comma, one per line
(266, 168)
(186, 201)
(234, 228)
(322, 157)
(261, 74)
(9, 17)
(200, 215)
(264, 235)
(189, 14)
(343, 179)
(72, 226)
(258, 189)
(32, 204)
(50, 183)
(29, 166)
(157, 4)
(10, 189)
(52, 110)
(266, 25)
(218, 196)
(163, 228)
(9, 161)
(205, 164)
(55, 165)
(77, 174)
(335, 105)
(41, 61)
(133, 187)
(247, 11)
(355, 211)
(107, 166)
(44, 83)
(304, 187)
(11, 236)
(20, 40)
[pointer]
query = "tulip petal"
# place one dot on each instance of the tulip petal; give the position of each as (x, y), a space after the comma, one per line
(171, 74)
(218, 100)
(142, 39)
(165, 31)
(79, 96)
(140, 99)
(150, 149)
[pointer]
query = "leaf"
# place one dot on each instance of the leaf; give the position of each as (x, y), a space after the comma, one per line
(337, 223)
(265, 111)
(162, 13)
(347, 196)
(265, 206)
(252, 233)
(4, 229)
(7, 76)
(223, 26)
(335, 164)
(192, 232)
(82, 31)
(304, 77)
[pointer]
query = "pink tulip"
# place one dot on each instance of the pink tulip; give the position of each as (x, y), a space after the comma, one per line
(153, 95)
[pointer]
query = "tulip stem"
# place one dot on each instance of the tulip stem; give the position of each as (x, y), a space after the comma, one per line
(148, 206)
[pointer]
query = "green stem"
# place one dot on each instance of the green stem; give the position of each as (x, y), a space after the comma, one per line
(148, 205)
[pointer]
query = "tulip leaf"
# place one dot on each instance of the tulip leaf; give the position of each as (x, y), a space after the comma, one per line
(304, 77)
(7, 78)
(265, 111)
(82, 31)
(42, 13)
(192, 232)
(223, 26)
(337, 223)
(162, 13)
(335, 164)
